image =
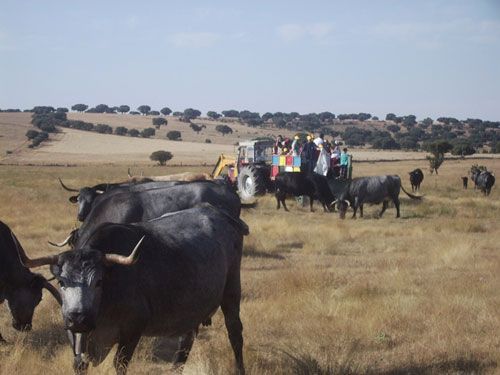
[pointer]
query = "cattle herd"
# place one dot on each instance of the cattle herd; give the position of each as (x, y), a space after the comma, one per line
(158, 258)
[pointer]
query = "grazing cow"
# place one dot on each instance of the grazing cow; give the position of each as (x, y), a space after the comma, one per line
(313, 185)
(416, 178)
(465, 181)
(187, 265)
(130, 207)
(18, 285)
(375, 189)
(483, 180)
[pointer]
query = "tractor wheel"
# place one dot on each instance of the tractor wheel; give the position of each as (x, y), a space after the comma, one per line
(251, 182)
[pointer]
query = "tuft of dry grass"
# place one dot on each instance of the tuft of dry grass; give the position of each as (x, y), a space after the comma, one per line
(416, 295)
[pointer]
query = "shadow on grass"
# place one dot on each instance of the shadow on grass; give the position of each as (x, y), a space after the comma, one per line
(252, 252)
(305, 364)
(289, 246)
(461, 366)
(299, 363)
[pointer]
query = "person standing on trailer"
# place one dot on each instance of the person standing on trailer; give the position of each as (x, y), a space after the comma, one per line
(344, 163)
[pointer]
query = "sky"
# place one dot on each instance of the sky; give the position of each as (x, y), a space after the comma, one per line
(427, 58)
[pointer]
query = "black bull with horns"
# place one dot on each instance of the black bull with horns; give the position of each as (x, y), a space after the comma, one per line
(183, 266)
(21, 288)
(140, 203)
(373, 189)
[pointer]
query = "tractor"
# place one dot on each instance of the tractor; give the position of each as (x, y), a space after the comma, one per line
(250, 171)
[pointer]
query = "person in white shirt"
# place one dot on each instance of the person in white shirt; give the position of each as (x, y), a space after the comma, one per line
(320, 140)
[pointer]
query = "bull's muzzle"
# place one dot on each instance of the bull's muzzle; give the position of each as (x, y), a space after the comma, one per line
(23, 327)
(79, 322)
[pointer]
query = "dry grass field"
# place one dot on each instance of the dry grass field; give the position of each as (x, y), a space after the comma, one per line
(413, 295)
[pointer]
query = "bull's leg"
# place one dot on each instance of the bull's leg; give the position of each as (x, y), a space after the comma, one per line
(277, 200)
(183, 348)
(361, 210)
(385, 204)
(231, 309)
(124, 352)
(355, 207)
(283, 202)
(396, 203)
(2, 341)
(311, 201)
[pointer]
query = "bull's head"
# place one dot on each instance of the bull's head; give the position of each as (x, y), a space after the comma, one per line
(23, 297)
(84, 198)
(342, 206)
(80, 274)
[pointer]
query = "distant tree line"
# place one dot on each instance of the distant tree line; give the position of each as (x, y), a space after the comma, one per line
(397, 132)
(48, 121)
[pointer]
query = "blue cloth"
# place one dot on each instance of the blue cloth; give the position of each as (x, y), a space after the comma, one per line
(344, 158)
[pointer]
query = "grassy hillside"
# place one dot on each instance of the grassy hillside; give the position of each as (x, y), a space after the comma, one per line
(70, 146)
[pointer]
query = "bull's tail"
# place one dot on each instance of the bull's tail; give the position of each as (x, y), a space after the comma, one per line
(411, 195)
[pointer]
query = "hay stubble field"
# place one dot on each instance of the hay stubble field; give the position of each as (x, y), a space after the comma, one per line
(320, 295)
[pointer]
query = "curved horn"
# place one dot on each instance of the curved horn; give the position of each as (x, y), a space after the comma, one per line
(64, 243)
(32, 263)
(123, 260)
(53, 290)
(67, 188)
(99, 191)
(347, 202)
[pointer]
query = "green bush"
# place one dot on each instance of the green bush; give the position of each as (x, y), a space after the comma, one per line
(148, 132)
(174, 135)
(134, 132)
(161, 156)
(121, 130)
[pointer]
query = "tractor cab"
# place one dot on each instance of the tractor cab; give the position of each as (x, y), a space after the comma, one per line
(255, 152)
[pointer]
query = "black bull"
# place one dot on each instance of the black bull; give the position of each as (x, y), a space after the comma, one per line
(136, 206)
(416, 178)
(483, 180)
(19, 286)
(375, 190)
(312, 185)
(89, 195)
(188, 265)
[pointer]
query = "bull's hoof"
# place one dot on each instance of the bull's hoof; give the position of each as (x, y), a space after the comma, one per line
(79, 365)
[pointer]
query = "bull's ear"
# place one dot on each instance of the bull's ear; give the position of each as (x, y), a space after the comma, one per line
(73, 199)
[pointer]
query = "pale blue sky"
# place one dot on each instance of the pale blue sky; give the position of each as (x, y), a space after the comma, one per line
(428, 58)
